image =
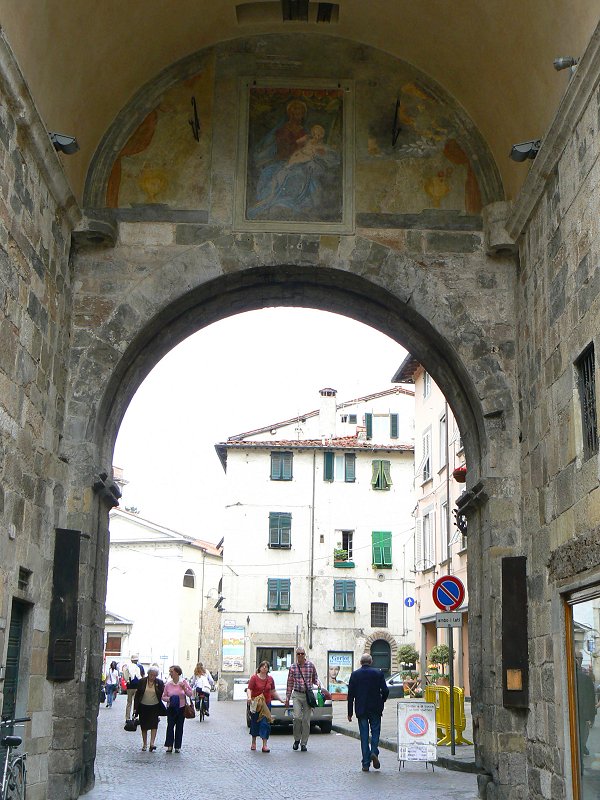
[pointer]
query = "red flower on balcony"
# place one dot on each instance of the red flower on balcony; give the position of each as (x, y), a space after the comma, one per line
(460, 474)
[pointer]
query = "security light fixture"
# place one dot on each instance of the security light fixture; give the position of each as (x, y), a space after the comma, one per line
(525, 150)
(565, 62)
(64, 144)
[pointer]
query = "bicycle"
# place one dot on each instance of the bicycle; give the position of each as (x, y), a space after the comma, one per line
(200, 704)
(14, 774)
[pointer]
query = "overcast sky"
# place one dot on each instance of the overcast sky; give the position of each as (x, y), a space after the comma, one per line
(238, 374)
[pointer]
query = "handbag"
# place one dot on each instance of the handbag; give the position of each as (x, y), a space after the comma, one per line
(188, 710)
(131, 724)
(310, 695)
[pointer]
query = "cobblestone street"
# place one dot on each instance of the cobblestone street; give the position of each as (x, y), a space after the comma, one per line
(216, 762)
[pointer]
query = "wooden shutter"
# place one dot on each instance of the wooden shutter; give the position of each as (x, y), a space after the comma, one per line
(285, 530)
(386, 548)
(375, 481)
(369, 425)
(418, 544)
(328, 462)
(377, 549)
(287, 459)
(350, 467)
(338, 595)
(273, 593)
(275, 466)
(386, 474)
(273, 529)
(350, 595)
(393, 426)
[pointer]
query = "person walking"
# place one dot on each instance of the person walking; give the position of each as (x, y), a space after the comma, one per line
(174, 695)
(111, 684)
(260, 692)
(302, 676)
(133, 674)
(148, 706)
(367, 693)
(202, 682)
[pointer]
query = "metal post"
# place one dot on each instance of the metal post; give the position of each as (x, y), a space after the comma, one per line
(451, 681)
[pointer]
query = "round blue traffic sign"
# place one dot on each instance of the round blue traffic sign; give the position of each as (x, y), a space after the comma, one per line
(448, 593)
(409, 601)
(416, 725)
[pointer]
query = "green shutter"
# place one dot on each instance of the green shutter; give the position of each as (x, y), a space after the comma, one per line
(287, 466)
(387, 475)
(386, 548)
(377, 548)
(273, 529)
(369, 425)
(375, 474)
(393, 426)
(272, 593)
(275, 466)
(338, 595)
(349, 467)
(328, 462)
(285, 530)
(350, 595)
(284, 594)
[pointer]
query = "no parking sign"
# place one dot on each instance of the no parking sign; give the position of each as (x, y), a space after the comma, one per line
(417, 733)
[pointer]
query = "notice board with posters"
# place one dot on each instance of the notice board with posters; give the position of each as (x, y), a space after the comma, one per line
(417, 732)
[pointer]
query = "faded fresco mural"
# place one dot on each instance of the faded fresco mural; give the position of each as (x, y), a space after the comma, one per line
(162, 161)
(426, 168)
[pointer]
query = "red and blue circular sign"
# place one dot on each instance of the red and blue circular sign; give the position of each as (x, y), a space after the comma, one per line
(416, 725)
(448, 593)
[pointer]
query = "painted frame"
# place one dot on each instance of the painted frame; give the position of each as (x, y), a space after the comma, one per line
(295, 156)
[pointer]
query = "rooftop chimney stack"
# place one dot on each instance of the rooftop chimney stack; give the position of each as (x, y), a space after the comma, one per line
(327, 413)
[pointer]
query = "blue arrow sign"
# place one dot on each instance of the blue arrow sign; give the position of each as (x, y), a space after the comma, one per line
(409, 602)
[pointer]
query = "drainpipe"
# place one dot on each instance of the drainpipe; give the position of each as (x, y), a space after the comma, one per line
(201, 606)
(312, 552)
(448, 488)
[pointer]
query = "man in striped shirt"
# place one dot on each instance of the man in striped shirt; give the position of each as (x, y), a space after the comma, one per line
(302, 676)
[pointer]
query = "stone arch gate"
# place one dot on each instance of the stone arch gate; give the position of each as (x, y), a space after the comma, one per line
(135, 300)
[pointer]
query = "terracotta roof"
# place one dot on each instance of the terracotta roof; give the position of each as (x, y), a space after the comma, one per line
(340, 443)
(406, 371)
(309, 414)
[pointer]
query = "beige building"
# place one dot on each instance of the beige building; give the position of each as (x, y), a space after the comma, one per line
(440, 547)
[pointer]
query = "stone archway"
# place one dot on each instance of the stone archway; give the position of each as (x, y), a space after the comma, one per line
(383, 636)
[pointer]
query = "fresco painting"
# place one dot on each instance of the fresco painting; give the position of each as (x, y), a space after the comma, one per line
(162, 163)
(427, 168)
(295, 152)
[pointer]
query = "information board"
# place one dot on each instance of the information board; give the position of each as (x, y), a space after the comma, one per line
(417, 732)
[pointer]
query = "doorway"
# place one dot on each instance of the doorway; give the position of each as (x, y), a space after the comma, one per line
(382, 655)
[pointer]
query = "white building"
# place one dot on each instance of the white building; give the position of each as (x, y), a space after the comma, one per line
(161, 592)
(336, 479)
(440, 548)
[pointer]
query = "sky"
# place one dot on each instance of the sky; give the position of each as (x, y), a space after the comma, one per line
(238, 374)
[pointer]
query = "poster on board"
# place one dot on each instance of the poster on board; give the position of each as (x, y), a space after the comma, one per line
(417, 732)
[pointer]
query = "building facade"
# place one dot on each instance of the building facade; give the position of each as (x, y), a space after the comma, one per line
(165, 585)
(319, 537)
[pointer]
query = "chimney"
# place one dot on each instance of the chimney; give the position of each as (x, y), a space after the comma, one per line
(327, 413)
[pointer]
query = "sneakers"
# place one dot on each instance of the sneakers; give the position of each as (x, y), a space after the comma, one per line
(303, 748)
(296, 745)
(365, 769)
(375, 760)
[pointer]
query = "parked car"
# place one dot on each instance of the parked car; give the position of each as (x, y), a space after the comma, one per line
(395, 684)
(282, 716)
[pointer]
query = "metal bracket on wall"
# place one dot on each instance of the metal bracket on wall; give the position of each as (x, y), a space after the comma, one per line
(108, 491)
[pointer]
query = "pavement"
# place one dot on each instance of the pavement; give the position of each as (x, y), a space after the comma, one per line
(463, 759)
(216, 762)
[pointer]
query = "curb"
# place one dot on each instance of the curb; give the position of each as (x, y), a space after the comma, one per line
(446, 762)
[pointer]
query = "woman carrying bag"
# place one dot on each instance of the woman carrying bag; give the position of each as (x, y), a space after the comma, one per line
(174, 695)
(148, 706)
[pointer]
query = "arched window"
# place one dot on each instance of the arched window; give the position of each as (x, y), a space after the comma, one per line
(189, 579)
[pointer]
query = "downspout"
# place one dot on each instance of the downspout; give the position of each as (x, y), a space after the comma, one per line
(312, 553)
(448, 489)
(201, 606)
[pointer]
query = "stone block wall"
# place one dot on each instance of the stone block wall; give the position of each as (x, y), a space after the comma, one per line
(558, 301)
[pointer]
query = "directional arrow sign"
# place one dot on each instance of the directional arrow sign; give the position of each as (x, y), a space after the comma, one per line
(448, 593)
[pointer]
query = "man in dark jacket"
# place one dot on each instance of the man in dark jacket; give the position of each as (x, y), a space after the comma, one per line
(367, 692)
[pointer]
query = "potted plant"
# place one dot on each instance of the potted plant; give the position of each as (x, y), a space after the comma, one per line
(460, 474)
(439, 655)
(339, 554)
(407, 654)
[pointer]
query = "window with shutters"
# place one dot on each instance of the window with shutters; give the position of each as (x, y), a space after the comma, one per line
(381, 477)
(280, 529)
(393, 426)
(113, 644)
(278, 594)
(369, 426)
(381, 544)
(426, 384)
(443, 441)
(281, 465)
(344, 595)
(379, 615)
(428, 539)
(586, 374)
(339, 467)
(426, 474)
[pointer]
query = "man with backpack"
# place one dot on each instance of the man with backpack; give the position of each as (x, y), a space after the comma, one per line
(133, 674)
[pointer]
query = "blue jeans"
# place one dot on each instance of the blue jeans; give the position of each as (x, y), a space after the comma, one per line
(373, 721)
(110, 690)
(175, 720)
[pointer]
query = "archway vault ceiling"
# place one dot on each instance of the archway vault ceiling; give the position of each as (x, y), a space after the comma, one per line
(84, 60)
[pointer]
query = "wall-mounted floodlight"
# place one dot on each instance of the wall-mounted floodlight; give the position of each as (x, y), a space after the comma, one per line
(525, 150)
(565, 62)
(64, 144)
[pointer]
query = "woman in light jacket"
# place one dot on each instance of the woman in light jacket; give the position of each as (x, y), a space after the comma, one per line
(203, 683)
(173, 696)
